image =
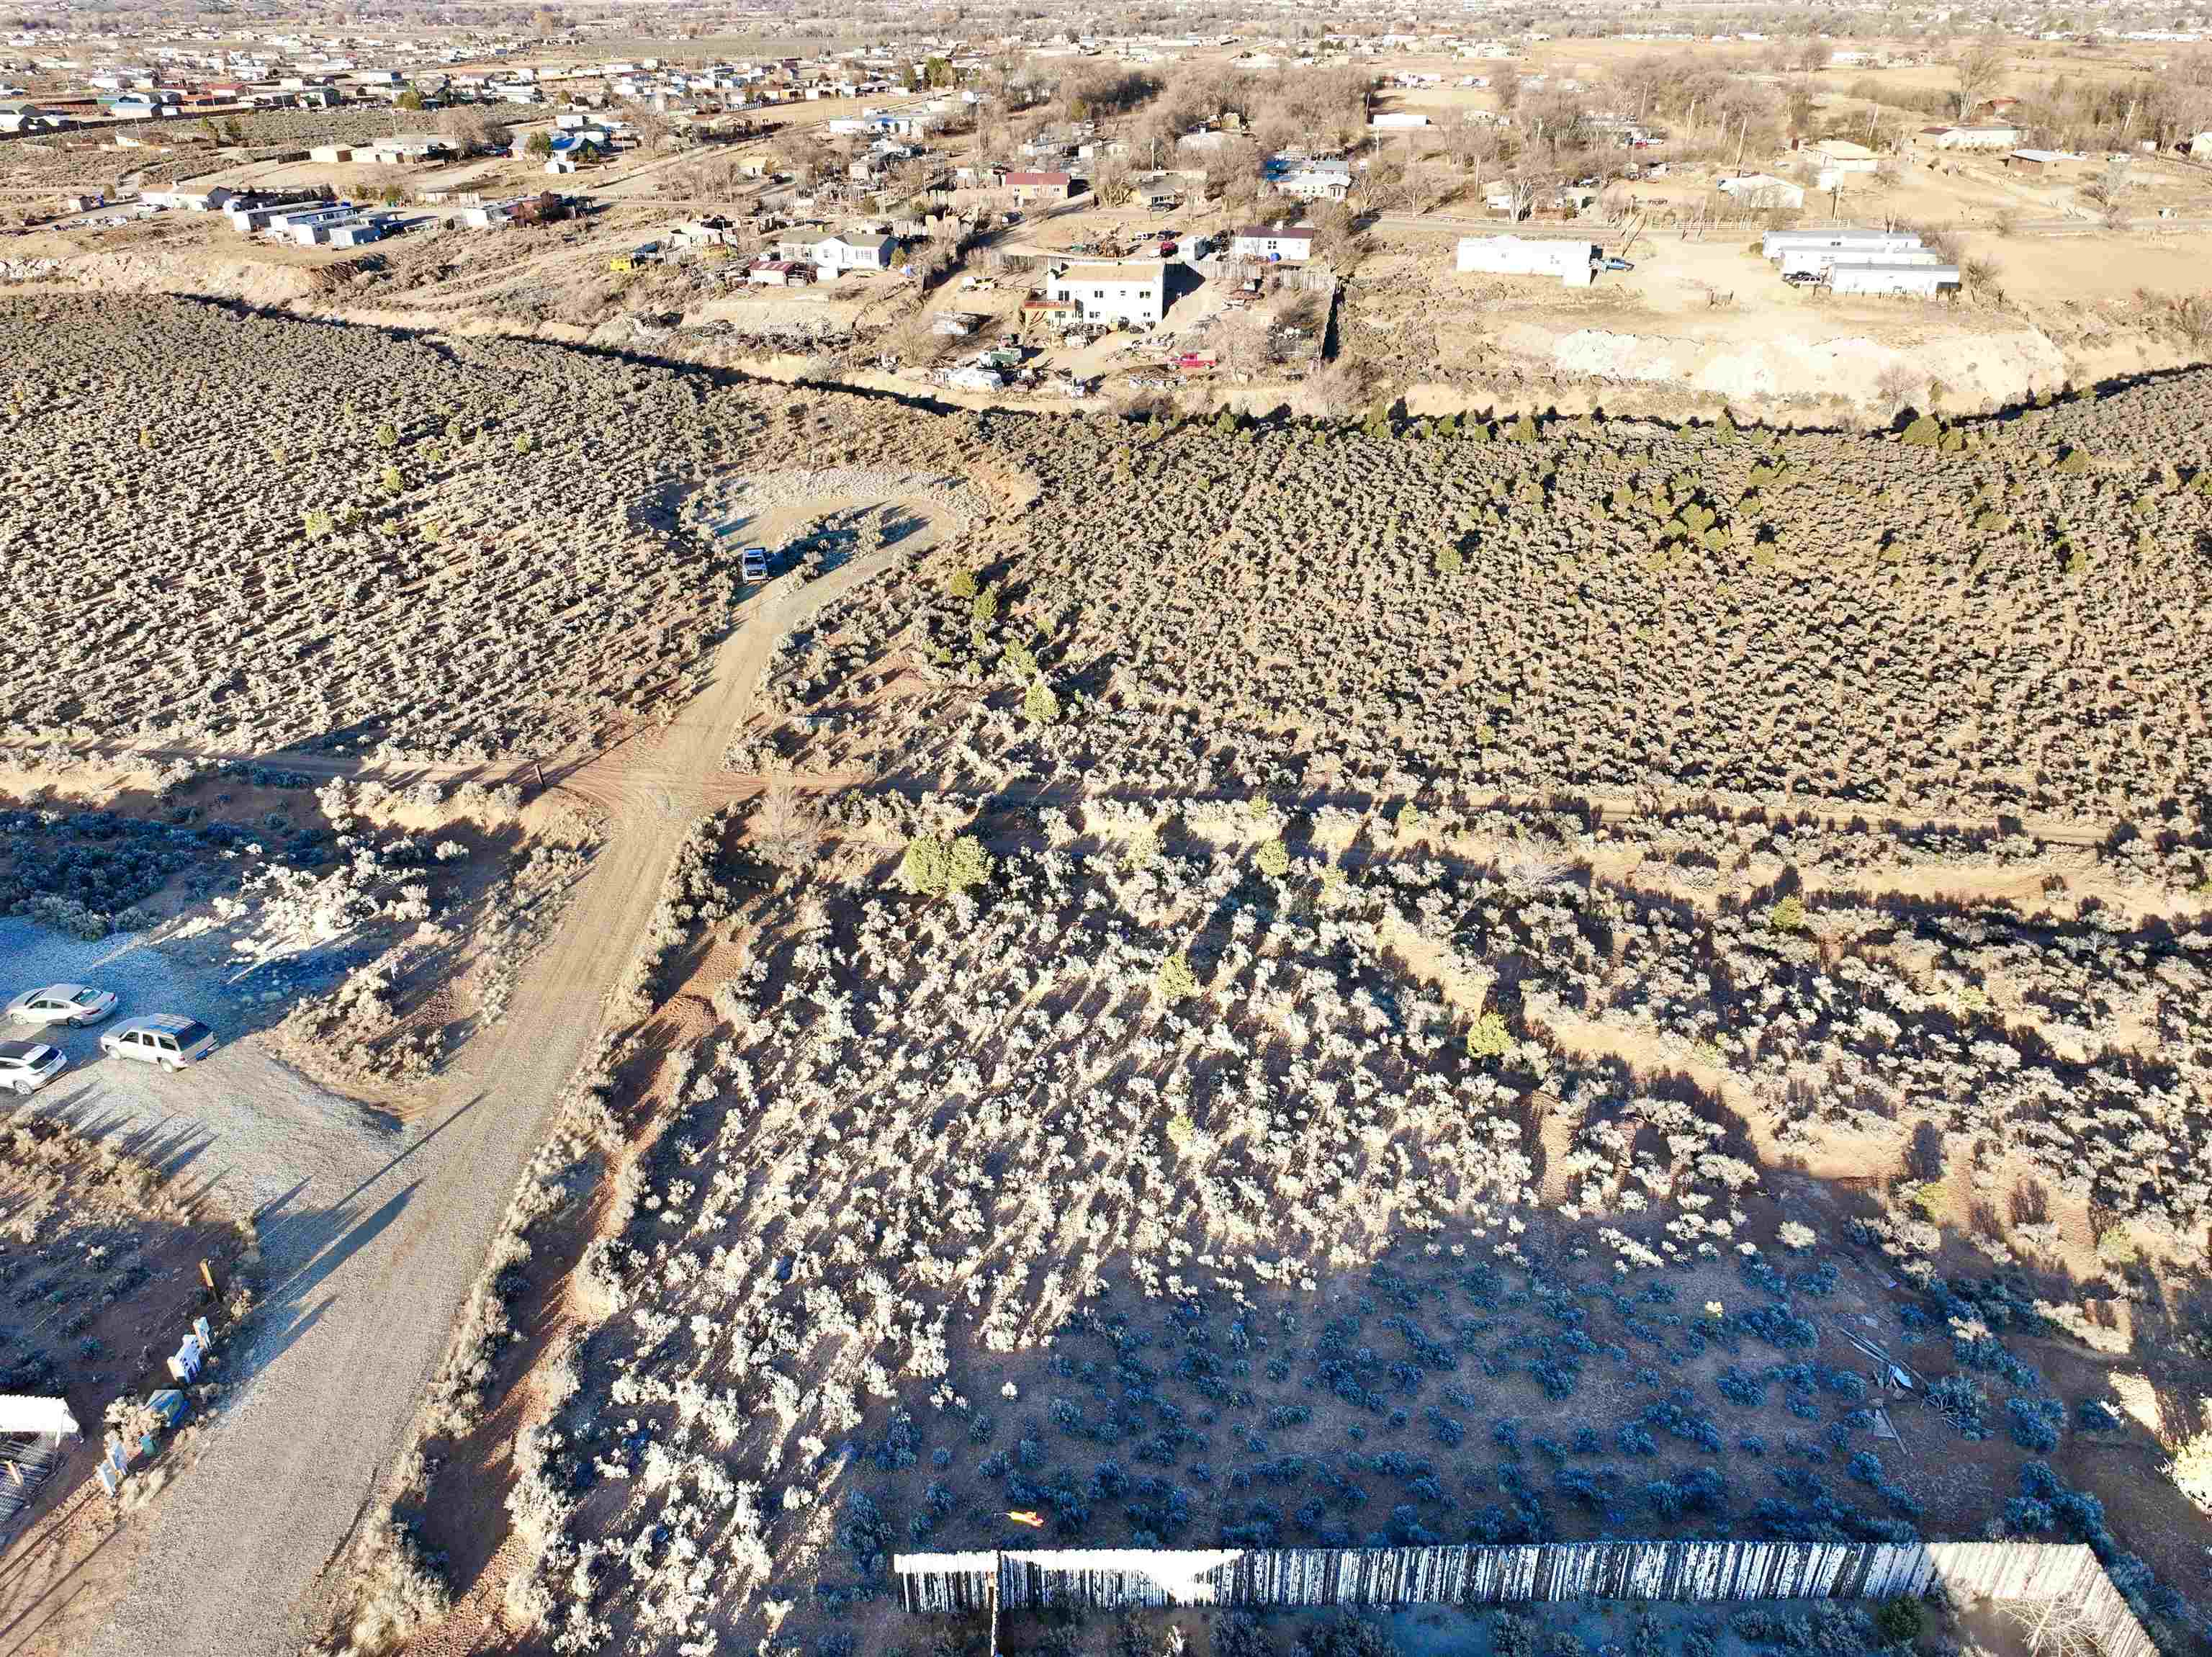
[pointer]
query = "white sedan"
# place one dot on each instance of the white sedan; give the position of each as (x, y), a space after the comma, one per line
(61, 1003)
(27, 1066)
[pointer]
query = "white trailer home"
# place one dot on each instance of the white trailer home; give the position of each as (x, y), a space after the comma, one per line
(1569, 261)
(1922, 281)
(1818, 261)
(1775, 243)
(300, 223)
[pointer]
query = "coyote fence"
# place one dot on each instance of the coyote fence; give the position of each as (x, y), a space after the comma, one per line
(1106, 1578)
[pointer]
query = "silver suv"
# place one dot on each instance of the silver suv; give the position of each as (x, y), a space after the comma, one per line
(27, 1066)
(166, 1039)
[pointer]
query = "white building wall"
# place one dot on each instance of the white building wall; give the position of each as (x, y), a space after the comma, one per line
(1774, 243)
(1925, 281)
(1569, 261)
(1820, 260)
(1142, 302)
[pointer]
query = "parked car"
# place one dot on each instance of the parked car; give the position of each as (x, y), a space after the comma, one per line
(1167, 250)
(752, 563)
(1619, 265)
(167, 1040)
(1801, 279)
(27, 1066)
(61, 1003)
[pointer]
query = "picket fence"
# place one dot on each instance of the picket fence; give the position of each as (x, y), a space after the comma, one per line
(1105, 1579)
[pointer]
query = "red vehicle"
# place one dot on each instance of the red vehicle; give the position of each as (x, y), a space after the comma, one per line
(1167, 250)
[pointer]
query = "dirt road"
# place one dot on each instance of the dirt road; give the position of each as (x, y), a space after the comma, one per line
(234, 1560)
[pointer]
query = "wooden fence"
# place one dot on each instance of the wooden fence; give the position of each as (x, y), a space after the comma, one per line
(1105, 1579)
(1319, 278)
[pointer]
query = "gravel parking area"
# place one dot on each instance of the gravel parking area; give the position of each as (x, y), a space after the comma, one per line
(240, 1128)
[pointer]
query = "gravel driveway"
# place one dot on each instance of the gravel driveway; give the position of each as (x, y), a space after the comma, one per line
(374, 1269)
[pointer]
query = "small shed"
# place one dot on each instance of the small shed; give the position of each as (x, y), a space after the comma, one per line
(25, 1416)
(1763, 190)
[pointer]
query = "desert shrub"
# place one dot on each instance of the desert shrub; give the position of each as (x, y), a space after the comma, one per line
(1899, 1619)
(1346, 1635)
(1237, 1634)
(1512, 1635)
(934, 865)
(399, 1587)
(1739, 1386)
(863, 1533)
(2192, 1469)
(1175, 980)
(2095, 1416)
(2035, 1423)
(1961, 1403)
(1489, 1037)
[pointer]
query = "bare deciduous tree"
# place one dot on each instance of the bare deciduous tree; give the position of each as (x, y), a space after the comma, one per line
(1977, 70)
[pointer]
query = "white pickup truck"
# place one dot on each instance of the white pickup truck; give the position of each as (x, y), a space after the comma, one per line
(752, 563)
